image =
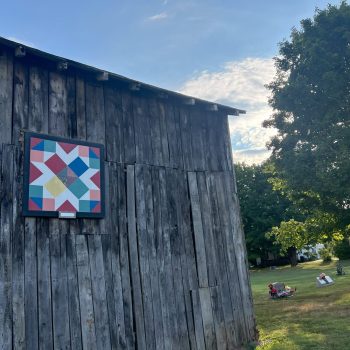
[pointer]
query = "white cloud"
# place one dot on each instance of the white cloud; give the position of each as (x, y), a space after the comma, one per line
(250, 156)
(240, 84)
(158, 17)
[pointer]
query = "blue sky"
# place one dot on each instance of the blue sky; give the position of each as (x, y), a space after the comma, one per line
(215, 49)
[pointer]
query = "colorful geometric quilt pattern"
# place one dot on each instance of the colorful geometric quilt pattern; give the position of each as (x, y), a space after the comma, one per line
(63, 177)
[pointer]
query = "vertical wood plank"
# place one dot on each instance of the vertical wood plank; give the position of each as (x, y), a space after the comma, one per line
(20, 100)
(6, 89)
(85, 294)
(158, 241)
(207, 229)
(207, 316)
(187, 255)
(98, 284)
(80, 108)
(144, 152)
(164, 134)
(128, 129)
(227, 142)
(18, 255)
(6, 227)
(143, 248)
(95, 113)
(231, 263)
(224, 289)
(155, 132)
(110, 299)
(38, 100)
(114, 290)
(60, 313)
(166, 277)
(73, 291)
(150, 222)
(198, 231)
(218, 317)
(118, 292)
(174, 141)
(30, 285)
(176, 248)
(71, 107)
(187, 228)
(111, 257)
(241, 255)
(215, 153)
(198, 321)
(114, 125)
(58, 112)
(124, 258)
(134, 260)
(198, 155)
(44, 285)
(186, 139)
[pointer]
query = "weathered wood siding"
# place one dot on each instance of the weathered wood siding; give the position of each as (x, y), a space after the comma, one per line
(166, 268)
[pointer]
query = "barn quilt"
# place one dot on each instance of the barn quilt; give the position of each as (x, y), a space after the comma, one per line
(62, 176)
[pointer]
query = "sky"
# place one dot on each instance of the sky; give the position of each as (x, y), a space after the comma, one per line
(219, 50)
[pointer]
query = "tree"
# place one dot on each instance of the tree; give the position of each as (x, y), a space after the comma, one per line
(310, 96)
(261, 207)
(294, 235)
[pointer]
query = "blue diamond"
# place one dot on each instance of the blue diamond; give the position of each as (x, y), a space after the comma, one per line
(78, 166)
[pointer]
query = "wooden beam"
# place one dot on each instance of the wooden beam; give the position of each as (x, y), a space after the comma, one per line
(62, 66)
(213, 107)
(20, 51)
(189, 101)
(163, 95)
(135, 86)
(103, 76)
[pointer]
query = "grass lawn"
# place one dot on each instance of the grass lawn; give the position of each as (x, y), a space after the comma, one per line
(314, 318)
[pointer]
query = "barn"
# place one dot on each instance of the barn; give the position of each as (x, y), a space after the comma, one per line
(146, 251)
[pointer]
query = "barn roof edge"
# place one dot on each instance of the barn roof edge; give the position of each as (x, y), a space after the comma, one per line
(62, 63)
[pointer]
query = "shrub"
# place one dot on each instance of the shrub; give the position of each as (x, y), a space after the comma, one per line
(342, 250)
(326, 254)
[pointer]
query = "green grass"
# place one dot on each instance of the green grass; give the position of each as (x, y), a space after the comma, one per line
(314, 318)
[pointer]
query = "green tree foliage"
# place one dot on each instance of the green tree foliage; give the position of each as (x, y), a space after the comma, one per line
(342, 249)
(310, 96)
(262, 208)
(316, 228)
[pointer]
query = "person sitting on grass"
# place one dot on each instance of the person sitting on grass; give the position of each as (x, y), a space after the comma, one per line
(272, 291)
(280, 290)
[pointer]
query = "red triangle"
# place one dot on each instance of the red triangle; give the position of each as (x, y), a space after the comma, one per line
(96, 150)
(96, 179)
(34, 141)
(97, 209)
(34, 173)
(67, 207)
(33, 206)
(67, 147)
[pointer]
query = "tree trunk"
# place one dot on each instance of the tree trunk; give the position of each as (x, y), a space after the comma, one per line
(292, 253)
